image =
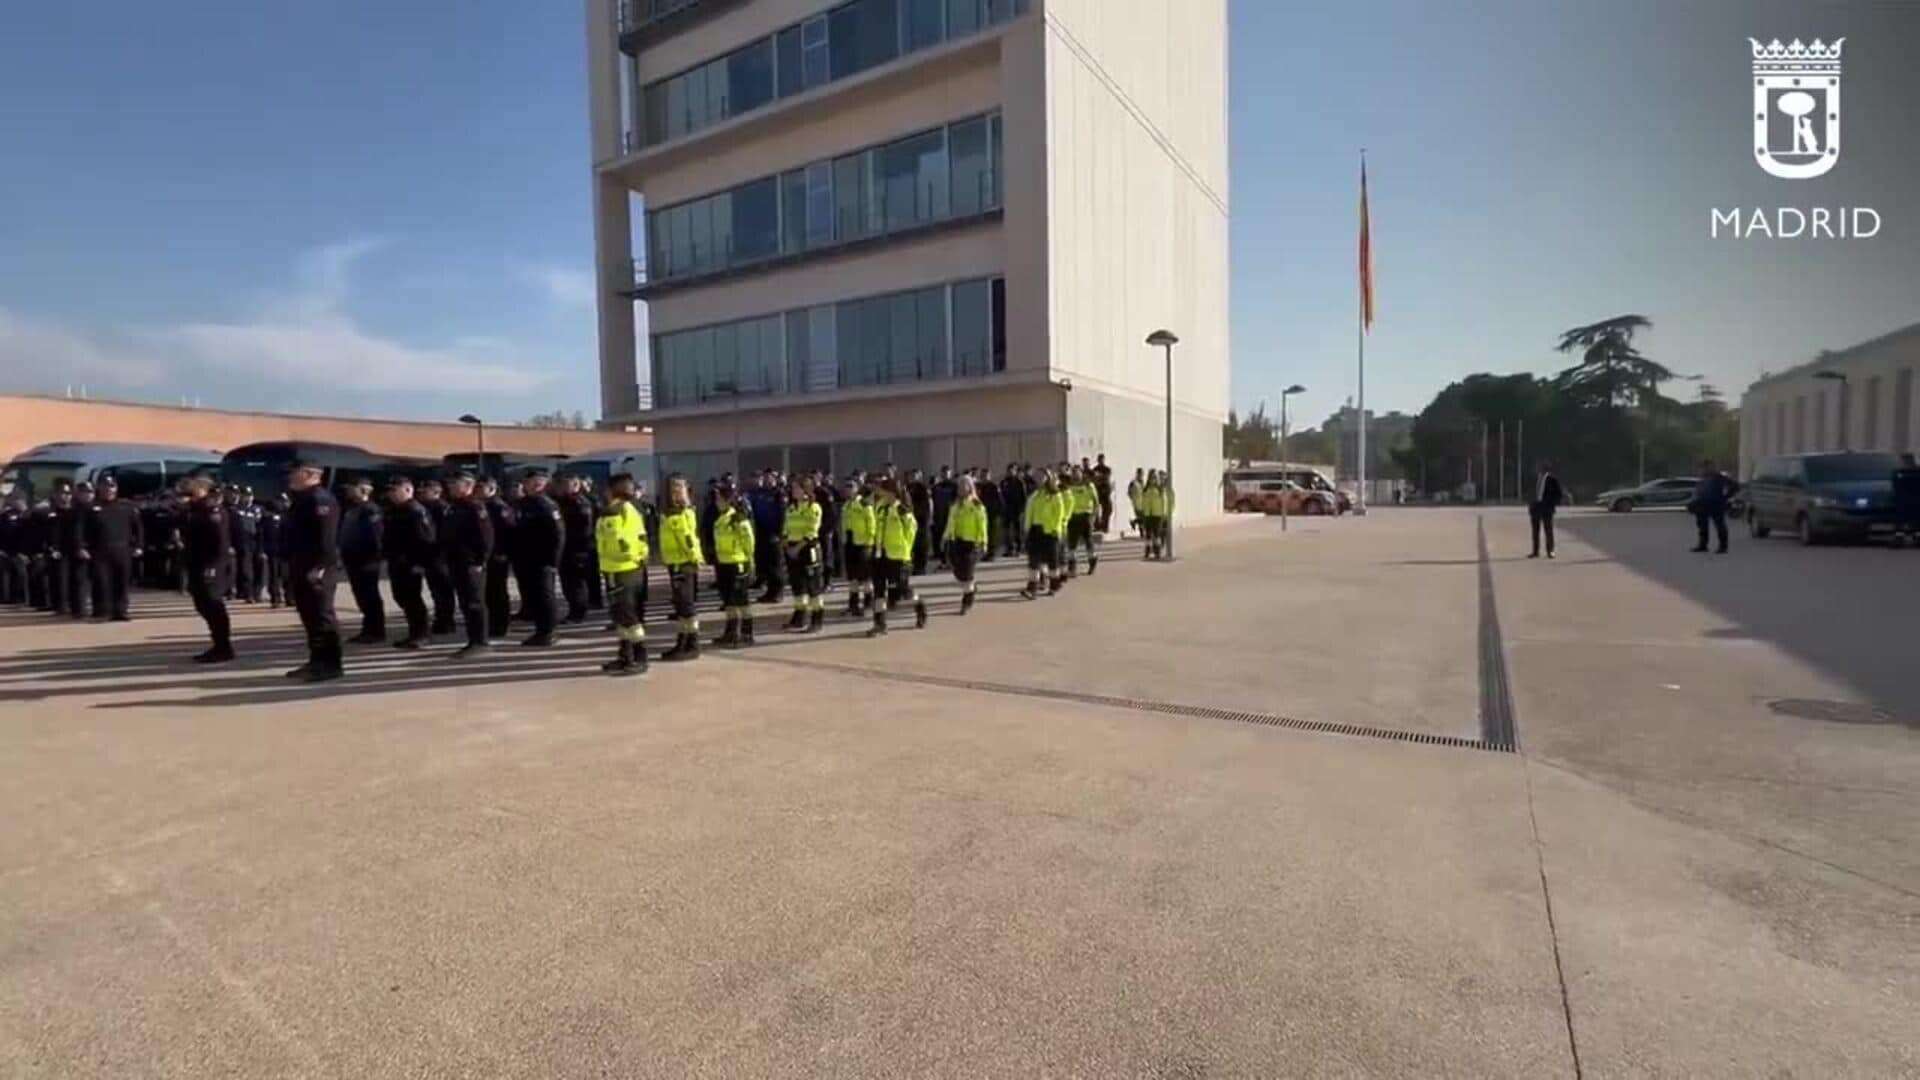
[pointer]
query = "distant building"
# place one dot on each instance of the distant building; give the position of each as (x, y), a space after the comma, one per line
(1384, 434)
(1802, 409)
(27, 421)
(932, 232)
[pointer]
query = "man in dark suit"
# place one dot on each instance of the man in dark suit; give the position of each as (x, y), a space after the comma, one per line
(1711, 494)
(1547, 497)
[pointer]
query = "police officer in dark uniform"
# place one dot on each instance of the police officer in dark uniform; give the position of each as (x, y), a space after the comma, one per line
(466, 542)
(44, 572)
(243, 539)
(273, 549)
(439, 585)
(500, 517)
(310, 535)
(115, 538)
(539, 544)
(576, 558)
(206, 538)
(76, 577)
(361, 527)
(411, 545)
(13, 560)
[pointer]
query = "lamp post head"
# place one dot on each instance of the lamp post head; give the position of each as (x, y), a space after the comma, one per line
(1296, 388)
(1837, 376)
(469, 418)
(1161, 338)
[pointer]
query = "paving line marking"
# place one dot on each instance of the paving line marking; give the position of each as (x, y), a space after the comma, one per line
(1165, 708)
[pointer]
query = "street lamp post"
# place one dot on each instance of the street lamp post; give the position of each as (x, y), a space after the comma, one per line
(480, 440)
(1165, 339)
(1845, 409)
(1296, 388)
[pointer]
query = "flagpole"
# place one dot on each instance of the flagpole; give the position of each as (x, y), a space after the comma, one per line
(1360, 498)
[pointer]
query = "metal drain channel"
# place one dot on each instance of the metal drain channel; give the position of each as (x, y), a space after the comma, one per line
(1496, 695)
(1164, 708)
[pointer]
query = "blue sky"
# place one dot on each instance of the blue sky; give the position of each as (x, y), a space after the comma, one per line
(198, 202)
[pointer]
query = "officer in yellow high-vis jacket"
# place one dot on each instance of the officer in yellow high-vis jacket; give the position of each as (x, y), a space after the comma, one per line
(620, 539)
(1046, 527)
(733, 548)
(966, 538)
(856, 547)
(1084, 503)
(800, 542)
(895, 529)
(680, 550)
(1152, 506)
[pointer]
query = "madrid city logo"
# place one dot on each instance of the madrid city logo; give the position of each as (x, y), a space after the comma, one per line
(1796, 107)
(1796, 136)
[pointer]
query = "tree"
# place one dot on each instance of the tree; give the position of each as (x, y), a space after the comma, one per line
(1255, 437)
(1611, 371)
(558, 418)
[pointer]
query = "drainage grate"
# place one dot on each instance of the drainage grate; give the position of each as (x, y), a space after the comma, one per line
(1496, 695)
(1832, 712)
(1165, 708)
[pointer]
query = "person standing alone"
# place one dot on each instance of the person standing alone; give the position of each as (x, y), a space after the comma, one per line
(1711, 494)
(1547, 497)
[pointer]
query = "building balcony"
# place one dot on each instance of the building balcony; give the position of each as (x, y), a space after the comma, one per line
(640, 23)
(732, 265)
(710, 106)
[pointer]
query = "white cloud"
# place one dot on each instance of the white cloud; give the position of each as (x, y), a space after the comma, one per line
(40, 355)
(566, 286)
(328, 350)
(302, 339)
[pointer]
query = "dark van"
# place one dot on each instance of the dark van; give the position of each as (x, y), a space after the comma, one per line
(1821, 497)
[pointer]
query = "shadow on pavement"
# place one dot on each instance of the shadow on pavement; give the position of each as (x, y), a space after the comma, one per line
(1853, 612)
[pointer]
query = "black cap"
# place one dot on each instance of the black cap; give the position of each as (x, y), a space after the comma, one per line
(82, 486)
(461, 474)
(397, 479)
(540, 472)
(304, 463)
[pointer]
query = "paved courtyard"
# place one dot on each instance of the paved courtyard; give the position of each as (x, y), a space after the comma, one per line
(1374, 796)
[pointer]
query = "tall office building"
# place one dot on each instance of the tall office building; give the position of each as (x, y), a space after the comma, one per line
(920, 231)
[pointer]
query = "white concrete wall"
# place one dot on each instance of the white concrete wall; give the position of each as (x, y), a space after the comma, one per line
(1871, 421)
(1133, 433)
(1137, 215)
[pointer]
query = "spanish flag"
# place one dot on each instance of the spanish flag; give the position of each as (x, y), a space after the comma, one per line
(1366, 255)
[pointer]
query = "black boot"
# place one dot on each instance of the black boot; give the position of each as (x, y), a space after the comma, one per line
(1029, 592)
(853, 604)
(746, 632)
(639, 658)
(798, 621)
(730, 637)
(919, 614)
(621, 664)
(219, 654)
(879, 628)
(966, 602)
(1056, 585)
(1093, 563)
(679, 650)
(816, 620)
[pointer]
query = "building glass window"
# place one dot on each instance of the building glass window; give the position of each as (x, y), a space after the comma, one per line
(920, 334)
(926, 23)
(972, 329)
(967, 147)
(849, 191)
(787, 64)
(750, 77)
(756, 220)
(819, 204)
(964, 16)
(793, 212)
(816, 58)
(849, 39)
(999, 319)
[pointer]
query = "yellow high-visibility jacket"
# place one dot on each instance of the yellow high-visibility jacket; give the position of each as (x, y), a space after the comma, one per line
(680, 538)
(620, 537)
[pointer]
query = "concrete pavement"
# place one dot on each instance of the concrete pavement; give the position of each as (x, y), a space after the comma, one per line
(745, 868)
